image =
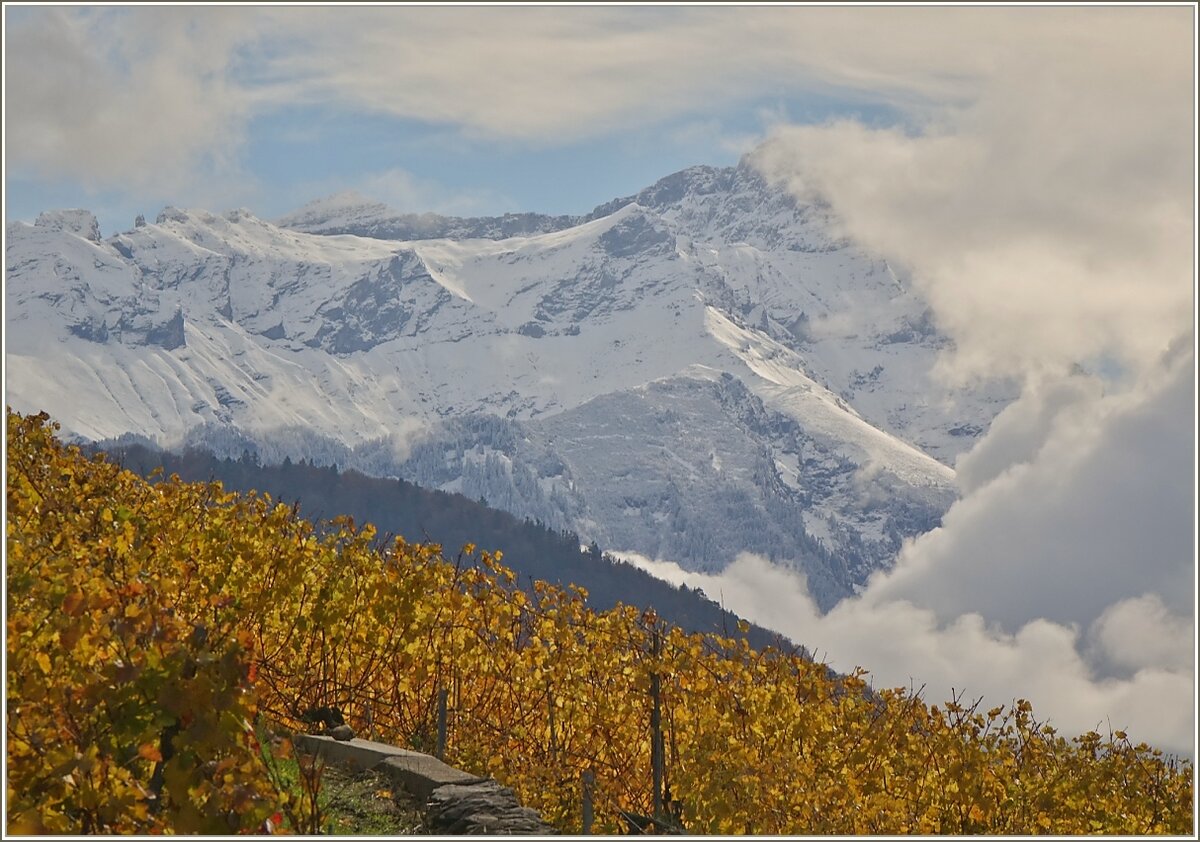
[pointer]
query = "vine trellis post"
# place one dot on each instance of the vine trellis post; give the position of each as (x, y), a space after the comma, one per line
(440, 749)
(588, 785)
(656, 734)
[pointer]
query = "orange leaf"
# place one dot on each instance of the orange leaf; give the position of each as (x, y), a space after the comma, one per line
(147, 751)
(72, 603)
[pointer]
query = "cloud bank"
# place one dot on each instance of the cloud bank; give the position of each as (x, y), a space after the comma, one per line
(1048, 219)
(1047, 216)
(1066, 579)
(1102, 511)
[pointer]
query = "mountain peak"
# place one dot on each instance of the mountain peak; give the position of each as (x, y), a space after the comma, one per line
(171, 214)
(238, 215)
(505, 357)
(72, 220)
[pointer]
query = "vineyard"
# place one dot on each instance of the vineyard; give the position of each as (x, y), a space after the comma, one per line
(156, 630)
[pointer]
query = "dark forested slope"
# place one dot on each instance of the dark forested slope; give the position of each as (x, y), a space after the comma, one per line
(397, 507)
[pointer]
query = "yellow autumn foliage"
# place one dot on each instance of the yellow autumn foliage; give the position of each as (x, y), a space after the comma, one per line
(151, 624)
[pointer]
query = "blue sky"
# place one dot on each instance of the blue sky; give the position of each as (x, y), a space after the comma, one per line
(282, 131)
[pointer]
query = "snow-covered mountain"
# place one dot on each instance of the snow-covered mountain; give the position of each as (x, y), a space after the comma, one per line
(699, 369)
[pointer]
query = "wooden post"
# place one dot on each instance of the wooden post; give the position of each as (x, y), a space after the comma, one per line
(370, 723)
(656, 740)
(440, 751)
(550, 717)
(588, 779)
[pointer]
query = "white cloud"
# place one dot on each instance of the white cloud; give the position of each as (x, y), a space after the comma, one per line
(400, 189)
(1048, 219)
(108, 95)
(1044, 208)
(1102, 511)
(1020, 430)
(1141, 633)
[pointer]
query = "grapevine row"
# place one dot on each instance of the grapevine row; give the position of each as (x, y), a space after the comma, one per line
(154, 628)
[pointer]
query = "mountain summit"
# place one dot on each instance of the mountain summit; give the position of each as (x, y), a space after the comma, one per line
(701, 369)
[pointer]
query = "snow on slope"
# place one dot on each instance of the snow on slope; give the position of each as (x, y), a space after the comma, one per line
(783, 385)
(701, 369)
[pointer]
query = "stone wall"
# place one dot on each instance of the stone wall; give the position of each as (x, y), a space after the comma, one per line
(458, 803)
